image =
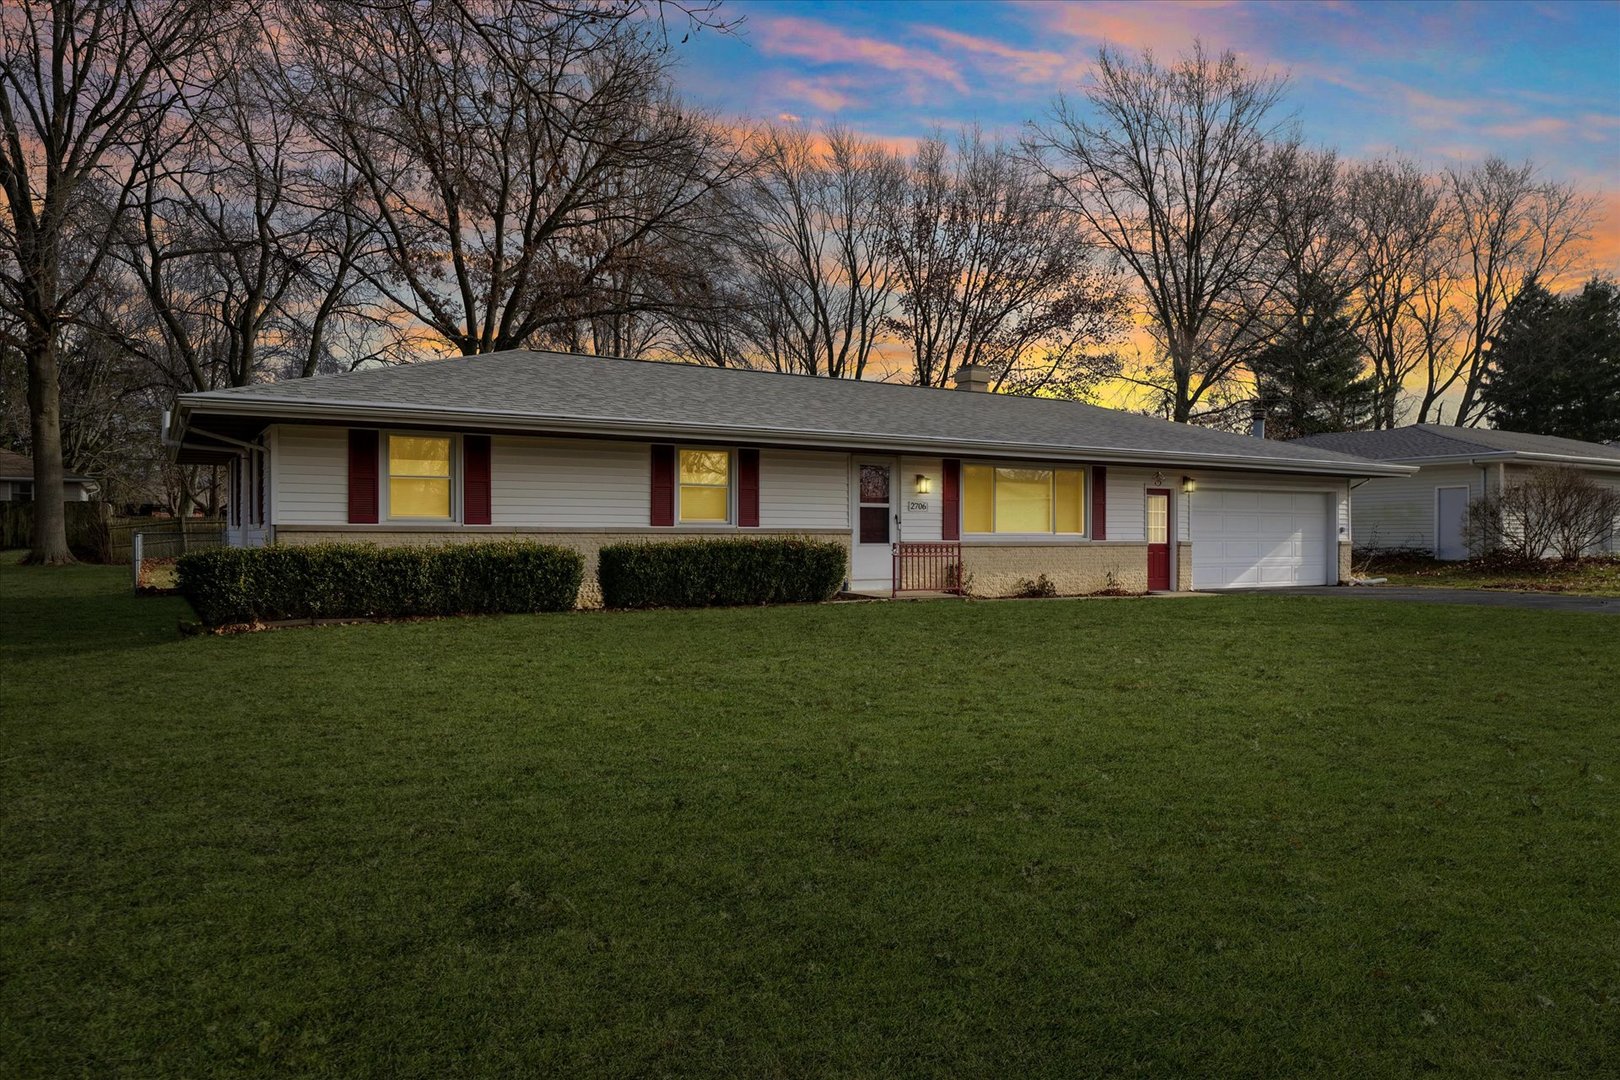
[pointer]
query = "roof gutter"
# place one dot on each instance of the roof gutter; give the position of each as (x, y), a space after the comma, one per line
(842, 440)
(1531, 456)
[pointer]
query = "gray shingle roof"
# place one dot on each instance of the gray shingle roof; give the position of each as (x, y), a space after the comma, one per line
(14, 466)
(1438, 440)
(541, 388)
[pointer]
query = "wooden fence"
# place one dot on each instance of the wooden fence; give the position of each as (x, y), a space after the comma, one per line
(94, 534)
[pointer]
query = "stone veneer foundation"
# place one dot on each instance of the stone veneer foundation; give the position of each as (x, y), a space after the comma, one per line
(587, 544)
(995, 569)
(1345, 570)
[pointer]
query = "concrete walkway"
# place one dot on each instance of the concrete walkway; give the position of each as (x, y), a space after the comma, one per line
(1481, 597)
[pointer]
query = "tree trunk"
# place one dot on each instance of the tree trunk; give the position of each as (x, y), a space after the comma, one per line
(48, 543)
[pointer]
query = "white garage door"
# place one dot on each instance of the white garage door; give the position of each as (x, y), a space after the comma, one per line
(1253, 539)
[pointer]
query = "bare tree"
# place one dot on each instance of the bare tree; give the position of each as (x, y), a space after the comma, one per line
(813, 250)
(1553, 510)
(82, 85)
(1402, 228)
(244, 239)
(1511, 226)
(511, 154)
(1313, 237)
(993, 270)
(1173, 168)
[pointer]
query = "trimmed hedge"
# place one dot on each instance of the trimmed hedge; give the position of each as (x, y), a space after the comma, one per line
(713, 573)
(342, 581)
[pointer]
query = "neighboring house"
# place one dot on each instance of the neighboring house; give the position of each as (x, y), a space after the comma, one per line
(585, 451)
(17, 481)
(1455, 466)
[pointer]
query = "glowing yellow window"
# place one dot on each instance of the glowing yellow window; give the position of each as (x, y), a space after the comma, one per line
(978, 499)
(419, 476)
(1069, 489)
(1023, 500)
(1018, 500)
(705, 486)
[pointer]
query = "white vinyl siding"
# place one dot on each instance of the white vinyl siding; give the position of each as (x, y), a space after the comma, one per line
(920, 515)
(803, 490)
(1399, 513)
(309, 477)
(1126, 508)
(570, 483)
(1612, 482)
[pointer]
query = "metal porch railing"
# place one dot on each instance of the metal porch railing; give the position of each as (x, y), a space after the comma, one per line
(927, 567)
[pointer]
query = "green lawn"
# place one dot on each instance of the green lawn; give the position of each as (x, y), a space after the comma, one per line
(1587, 577)
(1245, 836)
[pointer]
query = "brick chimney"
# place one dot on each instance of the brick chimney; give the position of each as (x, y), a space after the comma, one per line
(973, 377)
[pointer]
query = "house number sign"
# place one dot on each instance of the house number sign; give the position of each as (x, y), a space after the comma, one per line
(913, 505)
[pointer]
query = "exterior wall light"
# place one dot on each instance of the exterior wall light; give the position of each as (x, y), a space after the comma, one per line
(925, 484)
(1188, 485)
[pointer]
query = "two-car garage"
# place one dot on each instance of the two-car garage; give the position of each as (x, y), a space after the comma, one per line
(1246, 539)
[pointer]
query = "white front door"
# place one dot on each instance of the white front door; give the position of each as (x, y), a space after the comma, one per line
(1450, 522)
(871, 557)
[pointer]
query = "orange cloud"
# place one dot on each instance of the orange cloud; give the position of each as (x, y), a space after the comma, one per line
(1167, 28)
(1603, 253)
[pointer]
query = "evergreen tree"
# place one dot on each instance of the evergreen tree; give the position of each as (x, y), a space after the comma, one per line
(1312, 379)
(1555, 365)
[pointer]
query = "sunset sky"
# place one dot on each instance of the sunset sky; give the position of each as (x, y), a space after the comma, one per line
(1442, 82)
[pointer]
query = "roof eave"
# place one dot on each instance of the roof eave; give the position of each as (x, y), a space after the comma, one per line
(841, 440)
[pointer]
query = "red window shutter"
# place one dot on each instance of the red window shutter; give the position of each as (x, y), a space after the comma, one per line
(950, 522)
(1099, 502)
(748, 488)
(475, 472)
(663, 485)
(362, 476)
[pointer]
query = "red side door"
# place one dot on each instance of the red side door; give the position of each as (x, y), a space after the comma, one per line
(1158, 538)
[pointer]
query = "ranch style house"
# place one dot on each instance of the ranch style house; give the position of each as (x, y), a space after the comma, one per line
(928, 488)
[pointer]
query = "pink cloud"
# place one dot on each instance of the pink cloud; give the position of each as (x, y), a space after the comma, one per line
(828, 94)
(1168, 28)
(1037, 66)
(1540, 126)
(807, 39)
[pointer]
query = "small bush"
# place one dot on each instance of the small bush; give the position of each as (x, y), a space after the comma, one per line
(714, 573)
(343, 581)
(1553, 511)
(1042, 587)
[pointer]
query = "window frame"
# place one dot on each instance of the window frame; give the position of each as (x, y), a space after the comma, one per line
(1048, 467)
(730, 519)
(385, 495)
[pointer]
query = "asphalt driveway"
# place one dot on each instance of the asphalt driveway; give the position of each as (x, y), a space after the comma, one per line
(1480, 597)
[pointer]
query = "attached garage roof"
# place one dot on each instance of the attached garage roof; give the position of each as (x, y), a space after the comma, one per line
(566, 394)
(1419, 443)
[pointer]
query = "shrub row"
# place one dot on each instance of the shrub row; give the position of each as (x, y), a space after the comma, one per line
(242, 585)
(708, 573)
